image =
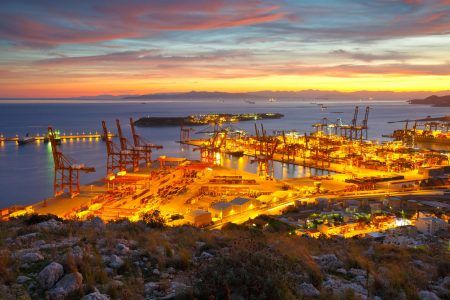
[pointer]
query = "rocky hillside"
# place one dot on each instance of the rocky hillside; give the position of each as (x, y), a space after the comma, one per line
(42, 257)
(437, 101)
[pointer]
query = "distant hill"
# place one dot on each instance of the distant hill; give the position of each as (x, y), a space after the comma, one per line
(191, 95)
(436, 101)
(306, 95)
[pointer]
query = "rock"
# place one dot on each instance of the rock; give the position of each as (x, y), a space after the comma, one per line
(339, 286)
(27, 237)
(69, 284)
(116, 283)
(156, 272)
(308, 290)
(206, 256)
(179, 289)
(357, 272)
(149, 287)
(50, 275)
(95, 223)
(123, 249)
(96, 296)
(22, 279)
(77, 253)
(199, 244)
(49, 225)
(328, 262)
(427, 295)
(115, 262)
(38, 244)
(341, 271)
(30, 257)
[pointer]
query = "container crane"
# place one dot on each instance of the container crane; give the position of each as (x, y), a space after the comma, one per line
(117, 159)
(67, 171)
(365, 126)
(131, 155)
(267, 149)
(353, 129)
(143, 146)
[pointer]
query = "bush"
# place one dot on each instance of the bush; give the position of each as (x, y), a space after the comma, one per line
(153, 219)
(35, 218)
(246, 274)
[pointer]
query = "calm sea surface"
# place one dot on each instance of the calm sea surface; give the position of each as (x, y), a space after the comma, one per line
(26, 172)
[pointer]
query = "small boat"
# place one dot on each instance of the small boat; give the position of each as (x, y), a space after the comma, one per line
(272, 100)
(236, 153)
(249, 101)
(25, 140)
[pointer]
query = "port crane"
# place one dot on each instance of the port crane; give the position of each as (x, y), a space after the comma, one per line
(209, 149)
(289, 149)
(67, 171)
(117, 159)
(130, 153)
(364, 125)
(264, 157)
(142, 145)
(353, 130)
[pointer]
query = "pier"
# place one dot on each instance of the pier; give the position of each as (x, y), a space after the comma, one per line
(83, 136)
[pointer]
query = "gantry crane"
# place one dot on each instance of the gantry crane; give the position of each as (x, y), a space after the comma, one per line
(264, 157)
(353, 130)
(144, 147)
(364, 125)
(214, 145)
(289, 149)
(129, 153)
(67, 171)
(117, 159)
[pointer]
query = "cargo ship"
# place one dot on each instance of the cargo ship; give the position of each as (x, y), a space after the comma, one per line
(25, 140)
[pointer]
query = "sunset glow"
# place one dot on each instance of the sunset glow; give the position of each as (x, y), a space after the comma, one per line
(143, 47)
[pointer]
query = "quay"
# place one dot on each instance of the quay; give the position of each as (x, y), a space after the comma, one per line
(70, 136)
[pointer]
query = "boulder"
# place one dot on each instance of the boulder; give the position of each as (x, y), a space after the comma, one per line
(339, 286)
(328, 262)
(308, 290)
(22, 279)
(156, 272)
(77, 253)
(357, 272)
(97, 224)
(427, 295)
(122, 248)
(49, 225)
(50, 275)
(179, 289)
(206, 256)
(96, 296)
(115, 262)
(31, 257)
(69, 284)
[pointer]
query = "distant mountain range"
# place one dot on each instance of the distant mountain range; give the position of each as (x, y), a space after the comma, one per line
(437, 101)
(305, 95)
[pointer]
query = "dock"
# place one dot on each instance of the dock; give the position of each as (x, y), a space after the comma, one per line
(83, 136)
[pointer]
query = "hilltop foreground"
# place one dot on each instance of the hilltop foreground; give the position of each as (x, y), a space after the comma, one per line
(46, 257)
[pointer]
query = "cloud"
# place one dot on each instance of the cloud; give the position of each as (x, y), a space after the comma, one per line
(368, 57)
(63, 23)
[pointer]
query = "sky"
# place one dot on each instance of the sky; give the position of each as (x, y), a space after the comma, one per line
(71, 48)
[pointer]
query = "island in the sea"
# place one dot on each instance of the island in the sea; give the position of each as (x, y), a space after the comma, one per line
(436, 101)
(204, 119)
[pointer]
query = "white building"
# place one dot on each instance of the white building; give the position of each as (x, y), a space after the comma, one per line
(430, 225)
